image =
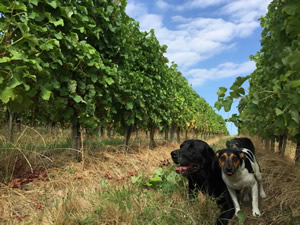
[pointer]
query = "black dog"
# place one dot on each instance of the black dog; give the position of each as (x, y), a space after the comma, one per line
(198, 163)
(238, 143)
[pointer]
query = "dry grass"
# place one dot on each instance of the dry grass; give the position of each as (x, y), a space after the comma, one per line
(103, 193)
(71, 195)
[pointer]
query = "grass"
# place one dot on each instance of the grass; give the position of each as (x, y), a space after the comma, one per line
(104, 193)
(132, 204)
(128, 205)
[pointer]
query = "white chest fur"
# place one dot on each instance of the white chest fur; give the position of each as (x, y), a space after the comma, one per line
(240, 179)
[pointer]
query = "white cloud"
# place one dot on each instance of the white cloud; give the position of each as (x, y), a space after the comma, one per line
(162, 5)
(201, 38)
(150, 21)
(198, 76)
(246, 29)
(180, 19)
(185, 58)
(135, 10)
(199, 4)
(246, 11)
(242, 10)
(210, 29)
(193, 40)
(204, 3)
(237, 10)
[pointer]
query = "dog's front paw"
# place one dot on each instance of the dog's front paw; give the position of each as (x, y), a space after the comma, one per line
(237, 211)
(256, 212)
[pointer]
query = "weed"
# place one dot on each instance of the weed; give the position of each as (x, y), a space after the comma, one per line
(241, 217)
(165, 179)
(70, 170)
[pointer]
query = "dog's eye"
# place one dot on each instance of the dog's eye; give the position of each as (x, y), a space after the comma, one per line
(222, 158)
(234, 158)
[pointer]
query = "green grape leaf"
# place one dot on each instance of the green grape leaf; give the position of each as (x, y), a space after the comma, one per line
(7, 94)
(45, 93)
(221, 92)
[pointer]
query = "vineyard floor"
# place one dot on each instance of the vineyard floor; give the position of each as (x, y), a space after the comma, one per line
(103, 193)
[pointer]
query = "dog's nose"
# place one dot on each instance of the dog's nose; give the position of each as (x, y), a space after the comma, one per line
(174, 154)
(228, 169)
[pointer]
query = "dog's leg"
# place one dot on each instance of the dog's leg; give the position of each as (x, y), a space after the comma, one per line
(235, 201)
(261, 189)
(255, 209)
(262, 192)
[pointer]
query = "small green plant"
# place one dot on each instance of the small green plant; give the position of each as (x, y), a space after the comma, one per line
(70, 170)
(165, 179)
(241, 217)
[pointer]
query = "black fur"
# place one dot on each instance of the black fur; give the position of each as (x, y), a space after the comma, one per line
(237, 143)
(249, 157)
(199, 164)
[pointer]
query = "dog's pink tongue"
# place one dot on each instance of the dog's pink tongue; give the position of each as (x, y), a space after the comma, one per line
(182, 168)
(229, 173)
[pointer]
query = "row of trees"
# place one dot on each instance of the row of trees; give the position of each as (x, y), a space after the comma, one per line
(87, 63)
(271, 107)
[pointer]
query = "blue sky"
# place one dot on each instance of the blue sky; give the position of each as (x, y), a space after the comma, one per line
(209, 40)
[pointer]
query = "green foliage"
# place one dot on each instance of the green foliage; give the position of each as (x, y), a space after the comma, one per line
(242, 217)
(70, 170)
(164, 179)
(271, 106)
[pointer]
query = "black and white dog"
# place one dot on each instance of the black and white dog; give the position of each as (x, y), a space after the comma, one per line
(198, 163)
(240, 170)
